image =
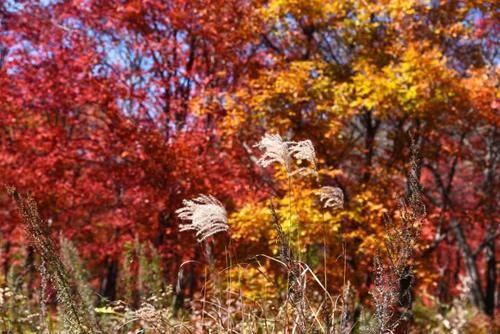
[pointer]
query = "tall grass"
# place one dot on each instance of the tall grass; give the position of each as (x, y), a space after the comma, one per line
(74, 314)
(308, 306)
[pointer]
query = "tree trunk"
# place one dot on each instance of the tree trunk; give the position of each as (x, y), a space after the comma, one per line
(371, 127)
(470, 266)
(491, 278)
(109, 283)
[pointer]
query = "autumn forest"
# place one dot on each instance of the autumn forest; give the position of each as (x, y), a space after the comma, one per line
(249, 166)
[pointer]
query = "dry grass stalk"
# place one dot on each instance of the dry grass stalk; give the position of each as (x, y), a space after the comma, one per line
(296, 279)
(74, 314)
(347, 317)
(394, 281)
(385, 296)
(207, 216)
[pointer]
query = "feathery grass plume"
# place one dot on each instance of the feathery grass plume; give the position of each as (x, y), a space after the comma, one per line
(207, 217)
(275, 150)
(206, 214)
(74, 314)
(303, 150)
(332, 196)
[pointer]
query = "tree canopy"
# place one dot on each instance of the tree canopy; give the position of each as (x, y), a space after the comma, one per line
(112, 112)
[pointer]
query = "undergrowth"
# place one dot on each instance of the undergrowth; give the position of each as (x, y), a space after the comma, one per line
(150, 305)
